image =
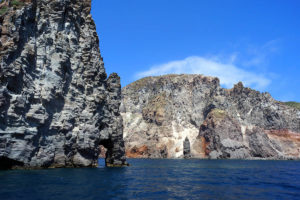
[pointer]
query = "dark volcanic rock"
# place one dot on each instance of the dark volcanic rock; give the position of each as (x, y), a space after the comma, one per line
(186, 148)
(56, 104)
(160, 112)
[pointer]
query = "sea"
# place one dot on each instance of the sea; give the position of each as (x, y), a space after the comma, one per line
(158, 179)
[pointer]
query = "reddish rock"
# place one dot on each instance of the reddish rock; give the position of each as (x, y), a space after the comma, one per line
(137, 152)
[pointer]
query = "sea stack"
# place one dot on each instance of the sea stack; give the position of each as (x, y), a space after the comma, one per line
(167, 115)
(57, 105)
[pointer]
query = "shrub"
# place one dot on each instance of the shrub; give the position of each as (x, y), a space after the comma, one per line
(3, 10)
(218, 113)
(16, 3)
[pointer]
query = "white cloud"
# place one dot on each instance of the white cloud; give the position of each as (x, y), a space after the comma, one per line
(259, 55)
(228, 73)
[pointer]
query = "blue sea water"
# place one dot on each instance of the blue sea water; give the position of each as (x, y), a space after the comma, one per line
(158, 179)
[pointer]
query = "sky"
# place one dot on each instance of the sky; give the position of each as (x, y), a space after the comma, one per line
(253, 41)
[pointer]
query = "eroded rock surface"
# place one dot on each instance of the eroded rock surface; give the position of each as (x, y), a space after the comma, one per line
(159, 113)
(56, 104)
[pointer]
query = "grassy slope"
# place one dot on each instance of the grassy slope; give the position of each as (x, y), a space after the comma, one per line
(293, 104)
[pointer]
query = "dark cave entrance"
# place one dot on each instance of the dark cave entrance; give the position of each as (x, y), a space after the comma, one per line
(106, 147)
(7, 163)
(115, 152)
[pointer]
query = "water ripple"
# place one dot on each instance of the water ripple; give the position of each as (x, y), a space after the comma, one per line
(159, 179)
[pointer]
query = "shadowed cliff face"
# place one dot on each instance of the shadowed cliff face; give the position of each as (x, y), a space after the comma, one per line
(162, 114)
(56, 104)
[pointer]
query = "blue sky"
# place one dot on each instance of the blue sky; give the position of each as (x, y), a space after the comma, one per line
(257, 42)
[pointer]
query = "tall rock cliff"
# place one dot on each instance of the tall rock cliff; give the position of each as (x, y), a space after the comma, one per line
(176, 116)
(56, 104)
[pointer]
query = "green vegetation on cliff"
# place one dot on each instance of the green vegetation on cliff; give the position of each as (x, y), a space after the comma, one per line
(218, 113)
(16, 3)
(3, 10)
(293, 104)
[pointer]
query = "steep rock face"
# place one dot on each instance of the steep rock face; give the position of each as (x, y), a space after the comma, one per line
(56, 104)
(159, 113)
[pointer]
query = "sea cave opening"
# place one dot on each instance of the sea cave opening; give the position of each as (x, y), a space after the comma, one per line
(102, 156)
(105, 155)
(7, 163)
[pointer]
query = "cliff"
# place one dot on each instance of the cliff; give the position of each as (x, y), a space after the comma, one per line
(175, 116)
(56, 104)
